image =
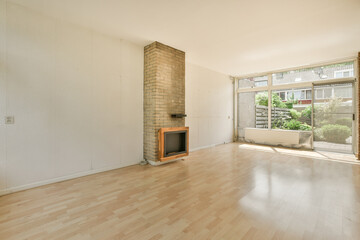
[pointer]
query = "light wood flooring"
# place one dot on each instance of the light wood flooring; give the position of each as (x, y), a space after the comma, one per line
(232, 191)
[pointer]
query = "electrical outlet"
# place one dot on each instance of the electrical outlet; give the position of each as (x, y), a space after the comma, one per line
(9, 120)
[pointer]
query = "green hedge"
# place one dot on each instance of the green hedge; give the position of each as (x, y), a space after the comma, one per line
(318, 134)
(294, 114)
(345, 122)
(292, 125)
(335, 133)
(305, 127)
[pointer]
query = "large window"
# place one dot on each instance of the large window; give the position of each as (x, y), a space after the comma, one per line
(291, 96)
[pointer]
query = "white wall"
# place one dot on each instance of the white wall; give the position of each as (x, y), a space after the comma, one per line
(209, 106)
(2, 94)
(76, 96)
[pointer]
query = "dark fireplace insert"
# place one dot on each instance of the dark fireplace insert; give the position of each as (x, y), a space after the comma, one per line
(173, 143)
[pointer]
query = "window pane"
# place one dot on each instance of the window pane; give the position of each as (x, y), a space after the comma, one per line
(308, 94)
(327, 93)
(343, 92)
(253, 82)
(252, 111)
(338, 75)
(316, 73)
(319, 93)
(303, 92)
(282, 95)
(333, 119)
(294, 113)
(261, 105)
(297, 94)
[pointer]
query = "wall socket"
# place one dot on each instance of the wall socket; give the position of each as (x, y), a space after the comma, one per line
(9, 120)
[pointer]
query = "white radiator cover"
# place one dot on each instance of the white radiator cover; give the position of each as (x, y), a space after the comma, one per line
(277, 137)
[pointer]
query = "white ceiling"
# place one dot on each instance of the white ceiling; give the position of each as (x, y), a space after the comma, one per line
(229, 36)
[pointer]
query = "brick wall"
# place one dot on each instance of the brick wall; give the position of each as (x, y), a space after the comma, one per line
(164, 93)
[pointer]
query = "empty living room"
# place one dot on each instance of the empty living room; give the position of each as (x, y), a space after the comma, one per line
(179, 120)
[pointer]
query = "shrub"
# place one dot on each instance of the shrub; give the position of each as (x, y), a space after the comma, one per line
(277, 102)
(305, 127)
(294, 114)
(324, 122)
(292, 125)
(306, 112)
(262, 99)
(324, 112)
(345, 122)
(335, 133)
(289, 105)
(318, 134)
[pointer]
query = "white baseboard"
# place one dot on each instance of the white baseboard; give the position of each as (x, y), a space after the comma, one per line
(157, 163)
(202, 147)
(209, 146)
(60, 179)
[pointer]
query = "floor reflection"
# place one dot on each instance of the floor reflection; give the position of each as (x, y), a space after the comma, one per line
(323, 155)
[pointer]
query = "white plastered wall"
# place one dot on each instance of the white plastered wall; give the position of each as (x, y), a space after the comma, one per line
(209, 106)
(76, 95)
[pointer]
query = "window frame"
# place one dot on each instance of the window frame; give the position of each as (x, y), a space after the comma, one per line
(306, 84)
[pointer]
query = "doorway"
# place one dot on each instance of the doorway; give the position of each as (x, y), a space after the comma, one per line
(333, 117)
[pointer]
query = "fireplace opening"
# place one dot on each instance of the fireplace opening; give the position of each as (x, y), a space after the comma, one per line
(174, 143)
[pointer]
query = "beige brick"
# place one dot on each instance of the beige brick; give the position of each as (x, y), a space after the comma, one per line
(164, 92)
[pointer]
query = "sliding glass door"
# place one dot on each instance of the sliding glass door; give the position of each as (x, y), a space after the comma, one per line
(333, 117)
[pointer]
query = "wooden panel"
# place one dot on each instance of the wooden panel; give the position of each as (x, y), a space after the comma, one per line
(161, 143)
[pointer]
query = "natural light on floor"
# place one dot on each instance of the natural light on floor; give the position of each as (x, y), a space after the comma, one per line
(331, 156)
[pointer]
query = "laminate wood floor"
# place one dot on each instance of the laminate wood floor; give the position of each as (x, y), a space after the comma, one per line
(225, 192)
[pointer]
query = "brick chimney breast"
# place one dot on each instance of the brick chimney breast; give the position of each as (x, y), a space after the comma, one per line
(164, 93)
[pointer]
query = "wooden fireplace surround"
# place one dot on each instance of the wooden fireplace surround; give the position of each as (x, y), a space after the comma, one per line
(161, 143)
